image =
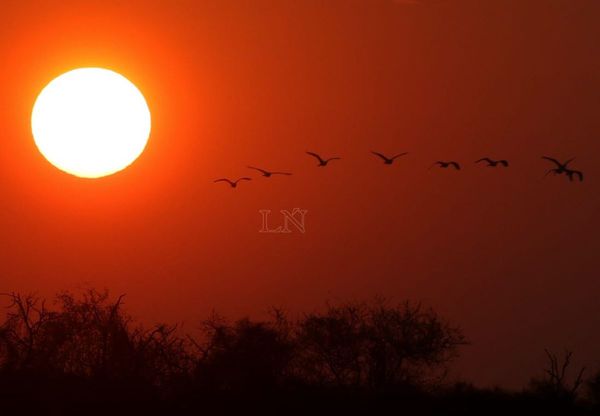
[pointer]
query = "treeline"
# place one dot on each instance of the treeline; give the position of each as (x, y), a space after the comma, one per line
(85, 355)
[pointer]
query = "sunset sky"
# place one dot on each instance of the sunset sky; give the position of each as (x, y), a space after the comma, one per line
(508, 255)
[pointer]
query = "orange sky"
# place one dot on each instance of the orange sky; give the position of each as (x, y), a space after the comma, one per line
(509, 256)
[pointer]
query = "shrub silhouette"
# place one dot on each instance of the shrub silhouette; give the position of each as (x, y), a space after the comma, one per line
(86, 355)
(91, 338)
(244, 356)
(555, 386)
(376, 346)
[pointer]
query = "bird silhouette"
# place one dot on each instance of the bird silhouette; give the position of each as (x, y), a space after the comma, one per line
(233, 183)
(388, 160)
(322, 162)
(493, 163)
(563, 168)
(446, 165)
(560, 167)
(268, 174)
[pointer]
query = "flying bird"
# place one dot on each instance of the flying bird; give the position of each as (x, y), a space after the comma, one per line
(563, 168)
(233, 183)
(493, 163)
(322, 162)
(268, 174)
(388, 160)
(446, 165)
(560, 167)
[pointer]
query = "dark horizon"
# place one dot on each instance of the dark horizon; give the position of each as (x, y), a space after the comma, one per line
(86, 352)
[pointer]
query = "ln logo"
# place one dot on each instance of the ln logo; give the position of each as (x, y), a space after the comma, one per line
(295, 218)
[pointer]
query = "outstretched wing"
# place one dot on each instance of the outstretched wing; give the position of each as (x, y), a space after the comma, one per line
(556, 162)
(245, 178)
(456, 165)
(380, 155)
(316, 156)
(399, 154)
(224, 180)
(280, 173)
(438, 163)
(258, 169)
(484, 159)
(333, 158)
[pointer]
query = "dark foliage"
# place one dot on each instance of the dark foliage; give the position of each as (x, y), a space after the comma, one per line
(87, 356)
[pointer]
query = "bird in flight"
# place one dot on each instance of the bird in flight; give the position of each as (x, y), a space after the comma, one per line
(563, 168)
(446, 165)
(493, 163)
(322, 162)
(268, 174)
(233, 183)
(560, 167)
(388, 160)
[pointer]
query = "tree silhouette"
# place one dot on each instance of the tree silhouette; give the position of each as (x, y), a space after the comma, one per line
(89, 337)
(86, 355)
(376, 346)
(555, 385)
(29, 336)
(243, 356)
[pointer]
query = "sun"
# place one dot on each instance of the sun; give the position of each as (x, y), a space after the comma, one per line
(91, 122)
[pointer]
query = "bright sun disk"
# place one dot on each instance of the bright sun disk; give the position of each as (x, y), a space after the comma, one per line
(91, 122)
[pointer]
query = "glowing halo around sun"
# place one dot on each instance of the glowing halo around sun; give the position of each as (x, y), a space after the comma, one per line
(91, 122)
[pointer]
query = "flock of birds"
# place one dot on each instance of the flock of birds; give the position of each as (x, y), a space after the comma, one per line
(558, 169)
